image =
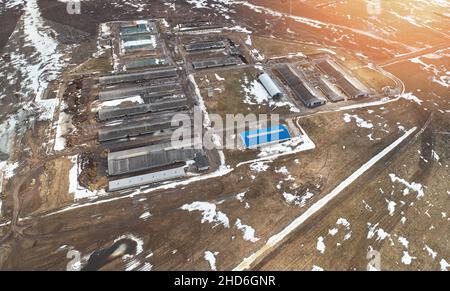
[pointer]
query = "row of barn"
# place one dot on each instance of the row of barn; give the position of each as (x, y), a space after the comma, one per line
(334, 82)
(136, 114)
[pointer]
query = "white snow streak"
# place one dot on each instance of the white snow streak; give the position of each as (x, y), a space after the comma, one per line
(275, 239)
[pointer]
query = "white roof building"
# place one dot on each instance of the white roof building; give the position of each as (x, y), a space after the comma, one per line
(270, 85)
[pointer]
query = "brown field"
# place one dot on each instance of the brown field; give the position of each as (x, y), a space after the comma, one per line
(382, 210)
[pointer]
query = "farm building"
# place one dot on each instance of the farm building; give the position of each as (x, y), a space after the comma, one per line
(145, 62)
(146, 179)
(351, 86)
(141, 26)
(215, 62)
(205, 45)
(270, 86)
(300, 87)
(152, 92)
(264, 136)
(173, 104)
(139, 43)
(154, 74)
(198, 26)
(330, 90)
(134, 129)
(149, 157)
(202, 163)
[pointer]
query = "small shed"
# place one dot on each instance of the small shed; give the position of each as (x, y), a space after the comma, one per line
(202, 162)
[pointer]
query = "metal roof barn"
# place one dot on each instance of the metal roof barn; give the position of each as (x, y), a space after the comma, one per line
(141, 128)
(204, 45)
(133, 110)
(142, 26)
(146, 42)
(149, 157)
(155, 91)
(202, 162)
(169, 72)
(146, 62)
(300, 88)
(330, 90)
(262, 136)
(146, 179)
(149, 161)
(215, 62)
(352, 87)
(270, 85)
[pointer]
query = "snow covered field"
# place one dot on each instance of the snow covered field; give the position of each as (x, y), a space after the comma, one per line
(37, 59)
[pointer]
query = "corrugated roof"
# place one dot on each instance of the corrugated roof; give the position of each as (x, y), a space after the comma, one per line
(145, 179)
(269, 85)
(299, 88)
(255, 138)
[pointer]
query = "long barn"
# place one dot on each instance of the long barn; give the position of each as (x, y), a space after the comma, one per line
(174, 104)
(352, 87)
(170, 72)
(264, 136)
(149, 157)
(299, 87)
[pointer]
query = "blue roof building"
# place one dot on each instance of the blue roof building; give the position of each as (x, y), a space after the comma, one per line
(262, 136)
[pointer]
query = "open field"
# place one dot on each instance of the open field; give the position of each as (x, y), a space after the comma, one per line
(263, 192)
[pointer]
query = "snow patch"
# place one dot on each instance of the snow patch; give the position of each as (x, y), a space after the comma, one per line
(146, 215)
(320, 246)
(444, 265)
(430, 252)
(219, 78)
(297, 199)
(391, 207)
(359, 121)
(407, 259)
(249, 232)
(316, 268)
(411, 97)
(295, 145)
(381, 234)
(403, 241)
(418, 188)
(435, 156)
(209, 212)
(259, 166)
(210, 257)
(248, 41)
